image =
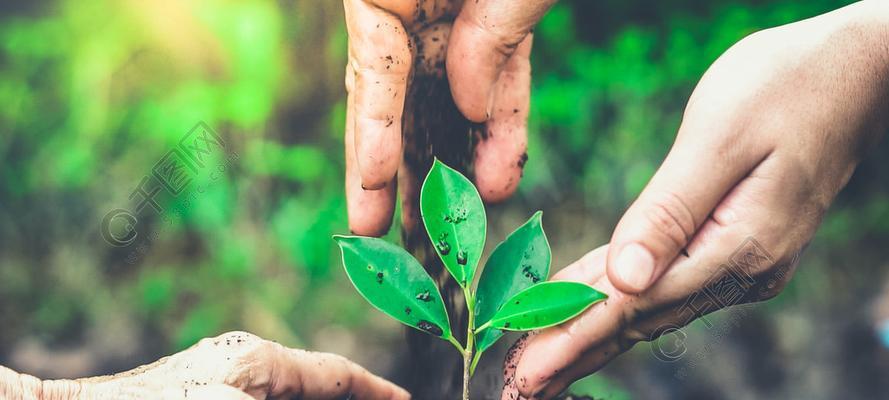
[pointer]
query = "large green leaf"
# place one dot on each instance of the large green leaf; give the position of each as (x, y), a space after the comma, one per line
(395, 283)
(519, 262)
(455, 220)
(544, 305)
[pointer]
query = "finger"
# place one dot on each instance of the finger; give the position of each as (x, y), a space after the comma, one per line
(380, 59)
(370, 211)
(588, 268)
(589, 362)
(510, 362)
(554, 350)
(321, 376)
(501, 154)
(704, 163)
(588, 343)
(765, 214)
(484, 37)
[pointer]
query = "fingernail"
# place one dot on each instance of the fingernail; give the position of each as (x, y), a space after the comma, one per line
(635, 266)
(371, 188)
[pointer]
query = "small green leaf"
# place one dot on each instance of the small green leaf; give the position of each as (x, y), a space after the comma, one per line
(545, 305)
(519, 262)
(395, 283)
(455, 220)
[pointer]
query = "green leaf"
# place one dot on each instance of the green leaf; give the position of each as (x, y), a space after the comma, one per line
(544, 305)
(519, 262)
(395, 283)
(455, 220)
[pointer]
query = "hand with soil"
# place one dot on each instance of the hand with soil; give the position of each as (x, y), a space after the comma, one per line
(772, 132)
(485, 45)
(235, 365)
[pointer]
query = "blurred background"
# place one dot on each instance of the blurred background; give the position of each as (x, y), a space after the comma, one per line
(95, 95)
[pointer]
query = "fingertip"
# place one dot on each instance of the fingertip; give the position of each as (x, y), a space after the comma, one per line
(370, 211)
(500, 158)
(531, 380)
(630, 268)
(472, 101)
(378, 151)
(472, 69)
(369, 228)
(363, 225)
(401, 393)
(494, 190)
(536, 366)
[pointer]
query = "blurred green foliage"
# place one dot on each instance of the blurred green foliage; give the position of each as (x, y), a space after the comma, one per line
(95, 92)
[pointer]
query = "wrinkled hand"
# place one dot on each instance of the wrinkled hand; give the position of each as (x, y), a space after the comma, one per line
(486, 50)
(235, 365)
(772, 132)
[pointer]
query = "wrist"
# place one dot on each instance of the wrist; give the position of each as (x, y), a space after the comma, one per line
(26, 387)
(62, 389)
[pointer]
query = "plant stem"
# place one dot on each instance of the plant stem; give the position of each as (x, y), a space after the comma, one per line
(484, 326)
(475, 358)
(470, 342)
(456, 344)
(467, 361)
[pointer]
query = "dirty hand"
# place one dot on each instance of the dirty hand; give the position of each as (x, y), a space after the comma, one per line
(771, 133)
(486, 50)
(235, 365)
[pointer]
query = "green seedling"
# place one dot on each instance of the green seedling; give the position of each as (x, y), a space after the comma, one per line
(512, 293)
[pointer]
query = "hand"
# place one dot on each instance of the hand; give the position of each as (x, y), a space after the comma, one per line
(486, 54)
(235, 365)
(772, 132)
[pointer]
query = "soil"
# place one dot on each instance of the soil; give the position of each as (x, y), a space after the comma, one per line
(434, 127)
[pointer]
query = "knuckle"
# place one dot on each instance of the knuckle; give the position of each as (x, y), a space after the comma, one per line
(669, 216)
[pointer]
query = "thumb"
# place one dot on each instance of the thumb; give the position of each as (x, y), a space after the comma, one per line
(693, 179)
(485, 35)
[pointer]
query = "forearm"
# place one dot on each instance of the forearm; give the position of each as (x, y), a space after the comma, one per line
(873, 18)
(870, 23)
(852, 48)
(15, 386)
